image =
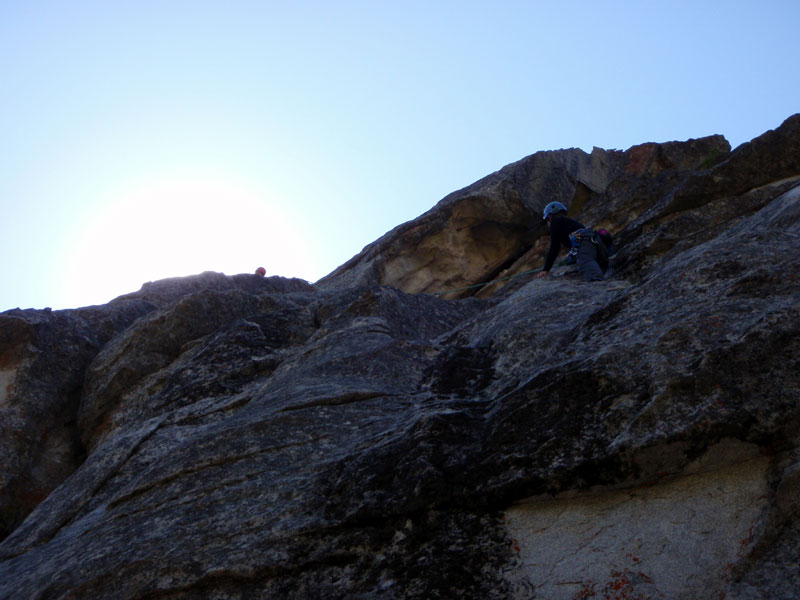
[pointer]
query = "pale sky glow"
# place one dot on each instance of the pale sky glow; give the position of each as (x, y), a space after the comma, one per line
(149, 139)
(173, 226)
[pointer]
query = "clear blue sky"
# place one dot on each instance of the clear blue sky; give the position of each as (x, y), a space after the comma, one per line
(149, 139)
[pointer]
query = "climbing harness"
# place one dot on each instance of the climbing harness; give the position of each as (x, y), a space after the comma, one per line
(575, 239)
(578, 236)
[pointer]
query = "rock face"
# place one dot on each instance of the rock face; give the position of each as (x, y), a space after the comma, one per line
(242, 437)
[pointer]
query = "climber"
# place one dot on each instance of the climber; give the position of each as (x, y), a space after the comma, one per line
(582, 242)
(261, 271)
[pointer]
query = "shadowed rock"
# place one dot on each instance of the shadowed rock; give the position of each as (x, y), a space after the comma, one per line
(241, 437)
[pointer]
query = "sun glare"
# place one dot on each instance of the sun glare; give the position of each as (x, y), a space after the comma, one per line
(180, 226)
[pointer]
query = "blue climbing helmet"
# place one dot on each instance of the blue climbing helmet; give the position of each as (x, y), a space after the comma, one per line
(551, 208)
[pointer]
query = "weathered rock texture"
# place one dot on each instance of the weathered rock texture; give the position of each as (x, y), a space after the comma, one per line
(239, 437)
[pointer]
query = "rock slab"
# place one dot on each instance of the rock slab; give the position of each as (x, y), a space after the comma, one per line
(246, 437)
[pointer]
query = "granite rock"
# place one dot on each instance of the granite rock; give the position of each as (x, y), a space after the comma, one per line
(241, 437)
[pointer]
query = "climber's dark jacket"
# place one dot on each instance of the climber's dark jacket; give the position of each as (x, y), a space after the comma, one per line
(560, 228)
